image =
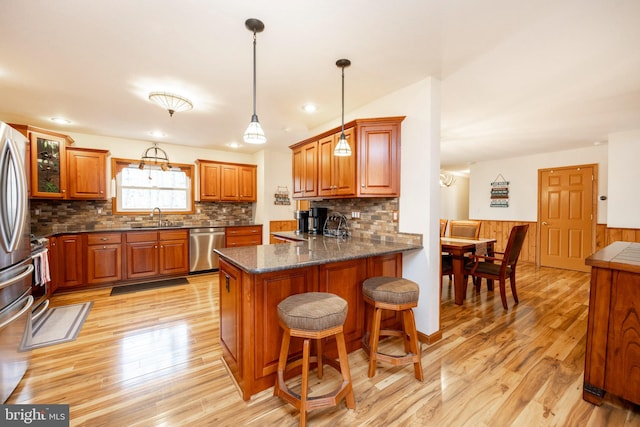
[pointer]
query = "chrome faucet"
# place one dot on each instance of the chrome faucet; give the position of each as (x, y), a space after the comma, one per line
(159, 215)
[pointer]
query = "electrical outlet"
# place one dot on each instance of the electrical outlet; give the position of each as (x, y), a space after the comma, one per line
(99, 211)
(36, 211)
(395, 216)
(355, 215)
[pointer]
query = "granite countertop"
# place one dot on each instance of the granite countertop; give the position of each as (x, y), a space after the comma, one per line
(314, 250)
(73, 229)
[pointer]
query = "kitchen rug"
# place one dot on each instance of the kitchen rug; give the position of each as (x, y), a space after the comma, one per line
(58, 325)
(119, 290)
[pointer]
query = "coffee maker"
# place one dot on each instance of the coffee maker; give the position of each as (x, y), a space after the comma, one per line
(317, 217)
(303, 221)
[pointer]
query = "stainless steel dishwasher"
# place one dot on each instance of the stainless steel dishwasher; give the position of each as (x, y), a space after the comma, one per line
(202, 242)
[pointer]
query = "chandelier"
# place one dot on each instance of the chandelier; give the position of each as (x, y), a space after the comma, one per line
(155, 155)
(171, 102)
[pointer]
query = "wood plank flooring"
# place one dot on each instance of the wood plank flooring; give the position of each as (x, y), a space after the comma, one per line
(152, 358)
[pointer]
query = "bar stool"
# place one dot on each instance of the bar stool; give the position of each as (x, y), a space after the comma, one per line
(400, 295)
(313, 316)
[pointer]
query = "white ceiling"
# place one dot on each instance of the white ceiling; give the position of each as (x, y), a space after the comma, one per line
(518, 77)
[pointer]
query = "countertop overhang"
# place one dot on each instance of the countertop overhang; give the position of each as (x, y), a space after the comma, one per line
(314, 250)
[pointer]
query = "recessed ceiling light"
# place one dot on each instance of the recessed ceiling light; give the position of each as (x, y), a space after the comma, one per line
(233, 145)
(60, 120)
(157, 133)
(310, 108)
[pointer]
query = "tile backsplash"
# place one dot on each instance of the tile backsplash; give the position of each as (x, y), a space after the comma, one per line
(376, 220)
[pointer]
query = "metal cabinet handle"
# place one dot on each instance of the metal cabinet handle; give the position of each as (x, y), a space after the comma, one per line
(104, 239)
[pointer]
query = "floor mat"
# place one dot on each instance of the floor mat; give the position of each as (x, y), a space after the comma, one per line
(119, 290)
(58, 325)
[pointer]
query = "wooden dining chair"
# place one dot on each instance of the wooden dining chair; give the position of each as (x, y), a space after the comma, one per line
(443, 227)
(500, 267)
(464, 228)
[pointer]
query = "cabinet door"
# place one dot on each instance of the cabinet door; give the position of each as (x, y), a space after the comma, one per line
(344, 175)
(379, 159)
(174, 256)
(48, 165)
(326, 164)
(345, 280)
(141, 259)
(305, 170)
(247, 183)
(209, 182)
(104, 263)
(86, 174)
(69, 261)
(230, 313)
(229, 183)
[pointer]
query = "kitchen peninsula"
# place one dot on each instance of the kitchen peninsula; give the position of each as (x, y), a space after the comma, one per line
(254, 279)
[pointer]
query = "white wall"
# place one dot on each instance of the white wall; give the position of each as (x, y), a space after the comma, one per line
(522, 174)
(454, 200)
(624, 176)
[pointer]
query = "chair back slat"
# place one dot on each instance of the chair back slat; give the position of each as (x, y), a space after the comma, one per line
(514, 245)
(464, 228)
(443, 227)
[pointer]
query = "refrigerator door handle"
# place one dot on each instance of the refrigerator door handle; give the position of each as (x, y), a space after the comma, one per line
(26, 307)
(17, 278)
(13, 193)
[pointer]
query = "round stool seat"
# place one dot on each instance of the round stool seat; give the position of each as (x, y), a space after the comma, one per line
(313, 311)
(391, 290)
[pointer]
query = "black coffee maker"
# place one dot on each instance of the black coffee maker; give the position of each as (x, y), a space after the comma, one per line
(317, 217)
(303, 221)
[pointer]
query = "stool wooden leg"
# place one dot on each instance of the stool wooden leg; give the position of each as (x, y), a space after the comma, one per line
(305, 381)
(410, 329)
(373, 343)
(282, 362)
(344, 369)
(319, 357)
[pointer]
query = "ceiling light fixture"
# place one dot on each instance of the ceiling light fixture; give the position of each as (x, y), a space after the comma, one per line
(254, 133)
(155, 155)
(60, 120)
(171, 102)
(309, 108)
(447, 180)
(342, 147)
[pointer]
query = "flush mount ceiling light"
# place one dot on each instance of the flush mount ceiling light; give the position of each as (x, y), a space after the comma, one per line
(60, 120)
(254, 133)
(171, 102)
(310, 108)
(156, 156)
(447, 180)
(342, 147)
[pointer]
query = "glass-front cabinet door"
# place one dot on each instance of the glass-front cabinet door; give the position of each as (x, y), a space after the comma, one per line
(48, 163)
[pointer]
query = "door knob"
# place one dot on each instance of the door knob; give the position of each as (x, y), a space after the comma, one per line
(545, 223)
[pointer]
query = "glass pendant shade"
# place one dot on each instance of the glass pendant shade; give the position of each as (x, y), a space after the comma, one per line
(254, 133)
(342, 147)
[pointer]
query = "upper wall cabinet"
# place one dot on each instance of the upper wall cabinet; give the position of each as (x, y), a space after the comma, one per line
(58, 171)
(227, 182)
(372, 170)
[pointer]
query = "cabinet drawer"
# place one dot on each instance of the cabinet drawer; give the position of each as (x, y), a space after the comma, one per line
(243, 241)
(141, 236)
(246, 230)
(103, 238)
(173, 235)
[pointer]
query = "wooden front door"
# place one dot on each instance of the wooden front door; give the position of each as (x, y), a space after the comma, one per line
(567, 216)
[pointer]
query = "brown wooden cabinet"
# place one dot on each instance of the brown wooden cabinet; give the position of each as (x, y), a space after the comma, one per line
(59, 171)
(336, 175)
(69, 261)
(246, 235)
(155, 253)
(86, 173)
(373, 169)
(230, 319)
(305, 170)
(104, 258)
(612, 358)
(227, 182)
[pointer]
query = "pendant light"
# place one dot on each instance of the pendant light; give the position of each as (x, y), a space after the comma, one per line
(342, 147)
(254, 133)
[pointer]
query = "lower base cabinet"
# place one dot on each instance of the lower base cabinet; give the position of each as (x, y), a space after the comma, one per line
(250, 334)
(153, 253)
(104, 258)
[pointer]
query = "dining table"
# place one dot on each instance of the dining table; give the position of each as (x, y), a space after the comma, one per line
(458, 247)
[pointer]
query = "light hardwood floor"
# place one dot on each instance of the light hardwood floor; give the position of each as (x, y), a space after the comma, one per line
(152, 359)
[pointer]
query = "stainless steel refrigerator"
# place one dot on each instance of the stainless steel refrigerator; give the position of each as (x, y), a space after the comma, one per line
(16, 266)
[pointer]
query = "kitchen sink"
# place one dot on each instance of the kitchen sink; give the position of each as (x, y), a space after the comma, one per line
(155, 226)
